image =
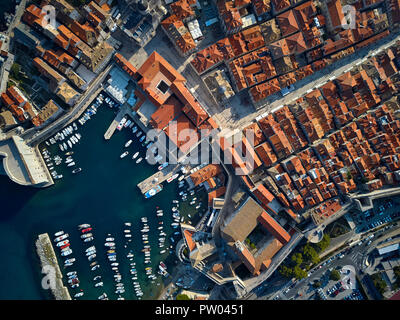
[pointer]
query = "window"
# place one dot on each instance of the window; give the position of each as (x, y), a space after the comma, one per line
(163, 87)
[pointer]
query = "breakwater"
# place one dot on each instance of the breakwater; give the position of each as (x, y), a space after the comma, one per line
(48, 261)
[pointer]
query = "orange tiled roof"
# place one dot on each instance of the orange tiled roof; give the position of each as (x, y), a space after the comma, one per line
(182, 8)
(274, 228)
(167, 112)
(257, 132)
(15, 96)
(229, 14)
(83, 31)
(294, 44)
(335, 12)
(125, 65)
(262, 6)
(263, 194)
(33, 15)
(175, 26)
(249, 153)
(216, 194)
(287, 23)
(266, 154)
(183, 133)
(265, 89)
(305, 13)
(7, 101)
(154, 69)
(205, 173)
(280, 5)
(189, 241)
(92, 18)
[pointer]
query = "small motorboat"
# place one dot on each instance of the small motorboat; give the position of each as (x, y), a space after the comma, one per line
(128, 143)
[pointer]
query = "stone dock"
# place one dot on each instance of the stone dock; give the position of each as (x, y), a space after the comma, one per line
(158, 178)
(124, 110)
(45, 251)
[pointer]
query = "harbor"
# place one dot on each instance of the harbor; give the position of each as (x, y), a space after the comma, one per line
(77, 199)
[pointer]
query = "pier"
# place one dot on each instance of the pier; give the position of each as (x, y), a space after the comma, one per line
(157, 178)
(47, 256)
(111, 129)
(124, 110)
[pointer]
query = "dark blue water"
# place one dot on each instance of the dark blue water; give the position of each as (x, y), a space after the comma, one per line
(5, 6)
(104, 195)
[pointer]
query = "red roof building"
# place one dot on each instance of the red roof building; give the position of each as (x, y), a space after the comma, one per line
(287, 23)
(274, 228)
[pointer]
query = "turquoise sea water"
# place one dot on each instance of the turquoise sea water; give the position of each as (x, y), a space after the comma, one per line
(104, 195)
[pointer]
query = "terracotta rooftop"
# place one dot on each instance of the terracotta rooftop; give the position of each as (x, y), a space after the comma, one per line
(280, 5)
(262, 6)
(205, 173)
(33, 15)
(125, 65)
(183, 133)
(294, 44)
(252, 68)
(154, 72)
(183, 8)
(45, 69)
(287, 23)
(335, 12)
(305, 13)
(229, 14)
(257, 133)
(274, 228)
(266, 154)
(265, 89)
(217, 193)
(179, 33)
(167, 112)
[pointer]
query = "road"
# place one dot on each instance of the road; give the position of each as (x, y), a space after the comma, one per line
(17, 17)
(34, 137)
(354, 256)
(4, 71)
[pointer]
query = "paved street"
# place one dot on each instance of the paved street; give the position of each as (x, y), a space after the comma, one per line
(354, 256)
(32, 137)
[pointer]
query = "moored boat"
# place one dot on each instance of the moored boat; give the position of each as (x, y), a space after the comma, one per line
(153, 191)
(128, 143)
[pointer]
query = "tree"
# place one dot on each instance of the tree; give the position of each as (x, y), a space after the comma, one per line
(310, 253)
(324, 243)
(335, 275)
(379, 283)
(297, 258)
(299, 273)
(349, 176)
(182, 297)
(286, 272)
(15, 70)
(317, 284)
